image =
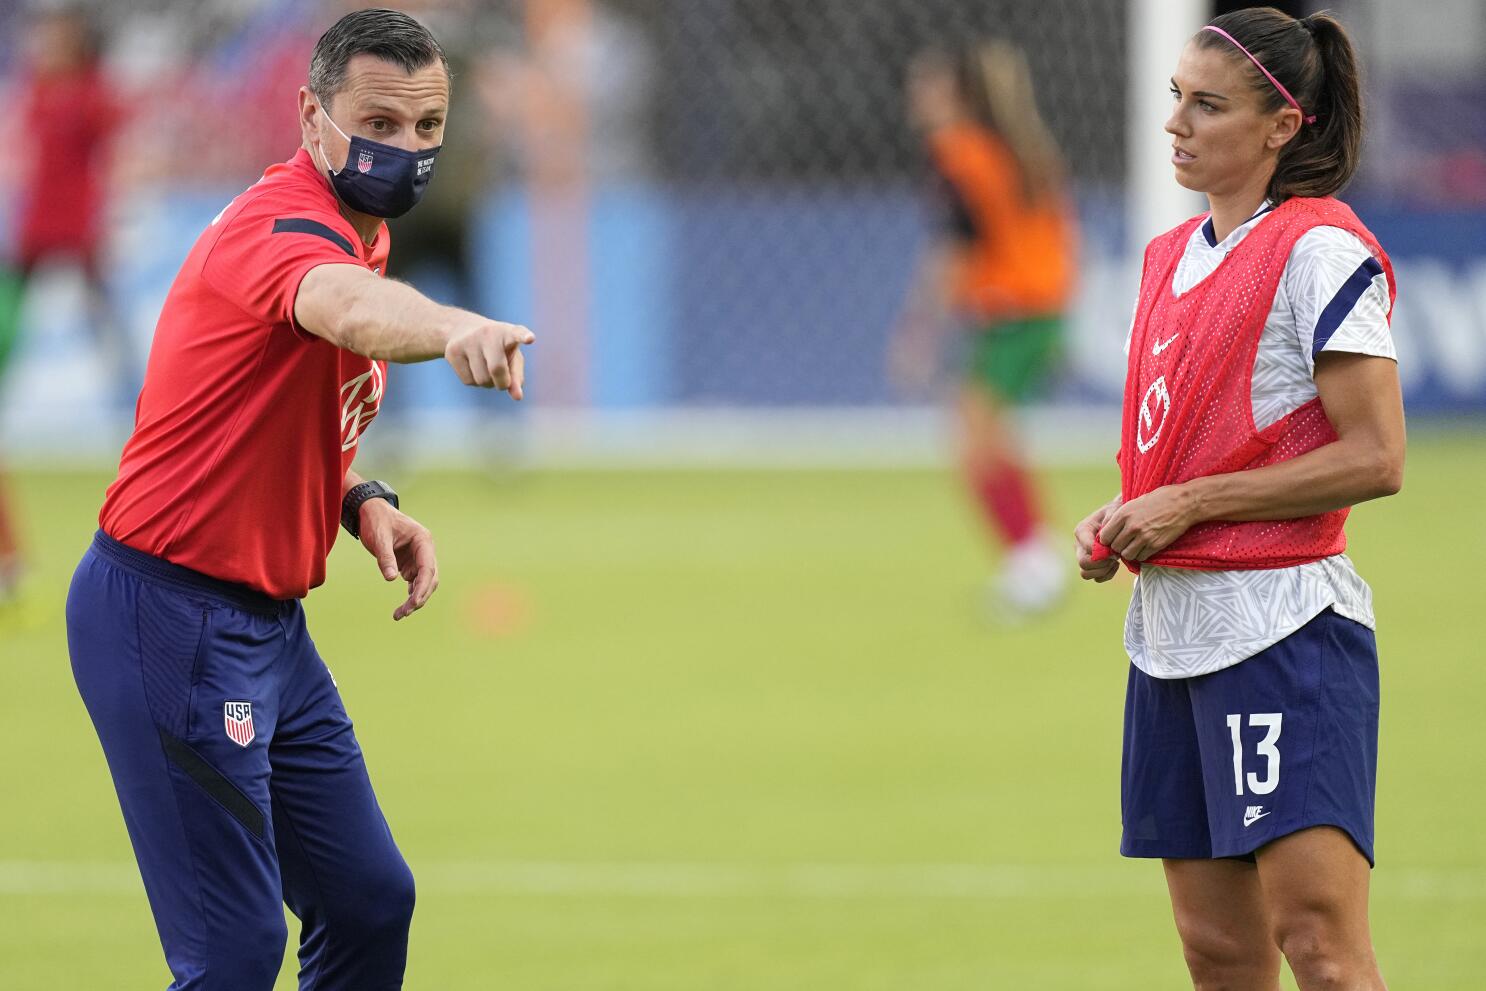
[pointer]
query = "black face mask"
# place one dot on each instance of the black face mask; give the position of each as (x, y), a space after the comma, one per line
(378, 179)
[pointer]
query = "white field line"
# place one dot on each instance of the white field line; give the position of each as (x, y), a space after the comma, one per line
(718, 880)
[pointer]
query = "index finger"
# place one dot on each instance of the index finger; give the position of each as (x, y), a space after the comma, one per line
(518, 373)
(1113, 526)
(425, 578)
(419, 591)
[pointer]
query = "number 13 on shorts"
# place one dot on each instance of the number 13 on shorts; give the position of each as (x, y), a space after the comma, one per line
(1266, 749)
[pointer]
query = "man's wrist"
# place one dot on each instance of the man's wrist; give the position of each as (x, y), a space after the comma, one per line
(457, 322)
(357, 496)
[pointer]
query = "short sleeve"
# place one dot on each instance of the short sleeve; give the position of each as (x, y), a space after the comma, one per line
(266, 250)
(1339, 296)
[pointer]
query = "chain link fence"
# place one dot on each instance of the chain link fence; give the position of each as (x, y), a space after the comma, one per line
(695, 203)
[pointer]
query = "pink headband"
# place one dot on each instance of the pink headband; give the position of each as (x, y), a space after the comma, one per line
(1277, 85)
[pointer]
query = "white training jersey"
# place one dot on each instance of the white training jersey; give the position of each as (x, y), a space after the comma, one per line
(1332, 296)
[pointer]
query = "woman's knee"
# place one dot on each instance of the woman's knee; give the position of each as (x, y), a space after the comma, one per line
(1219, 957)
(1320, 951)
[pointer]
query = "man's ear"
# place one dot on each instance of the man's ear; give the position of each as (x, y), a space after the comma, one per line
(308, 105)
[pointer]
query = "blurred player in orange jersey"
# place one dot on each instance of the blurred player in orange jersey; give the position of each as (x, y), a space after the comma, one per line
(1000, 266)
(69, 118)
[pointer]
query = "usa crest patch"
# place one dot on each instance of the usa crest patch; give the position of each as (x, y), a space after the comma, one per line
(364, 162)
(238, 717)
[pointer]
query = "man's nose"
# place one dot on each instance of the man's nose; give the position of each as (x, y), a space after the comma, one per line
(416, 141)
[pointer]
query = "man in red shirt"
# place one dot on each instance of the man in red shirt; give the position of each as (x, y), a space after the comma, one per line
(241, 782)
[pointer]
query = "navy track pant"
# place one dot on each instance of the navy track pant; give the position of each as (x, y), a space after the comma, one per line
(242, 785)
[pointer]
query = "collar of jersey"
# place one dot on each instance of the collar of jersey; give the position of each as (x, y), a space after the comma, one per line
(1237, 234)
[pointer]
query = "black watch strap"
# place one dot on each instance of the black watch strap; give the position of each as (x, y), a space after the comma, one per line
(357, 497)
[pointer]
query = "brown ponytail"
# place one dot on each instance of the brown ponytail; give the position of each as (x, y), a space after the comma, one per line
(996, 84)
(1315, 60)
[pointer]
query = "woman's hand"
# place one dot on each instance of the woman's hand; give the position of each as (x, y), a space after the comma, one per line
(1085, 536)
(1144, 527)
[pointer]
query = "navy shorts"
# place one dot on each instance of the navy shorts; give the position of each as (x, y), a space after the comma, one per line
(1221, 764)
(241, 782)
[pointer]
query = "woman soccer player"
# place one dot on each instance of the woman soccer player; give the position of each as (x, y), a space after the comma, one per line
(1261, 401)
(1002, 266)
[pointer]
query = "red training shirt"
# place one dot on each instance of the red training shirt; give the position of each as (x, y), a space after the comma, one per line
(69, 121)
(247, 423)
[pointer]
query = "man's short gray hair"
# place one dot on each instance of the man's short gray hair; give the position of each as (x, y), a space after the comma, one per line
(388, 34)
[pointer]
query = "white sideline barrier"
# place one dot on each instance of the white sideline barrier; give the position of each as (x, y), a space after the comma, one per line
(862, 438)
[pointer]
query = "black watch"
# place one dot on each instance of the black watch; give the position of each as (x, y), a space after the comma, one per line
(359, 496)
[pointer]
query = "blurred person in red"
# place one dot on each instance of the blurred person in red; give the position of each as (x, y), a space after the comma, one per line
(68, 118)
(1000, 265)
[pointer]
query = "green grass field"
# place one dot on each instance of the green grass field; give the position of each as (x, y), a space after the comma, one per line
(744, 731)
